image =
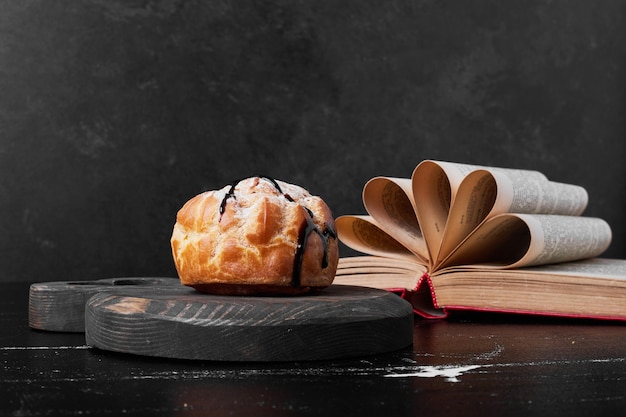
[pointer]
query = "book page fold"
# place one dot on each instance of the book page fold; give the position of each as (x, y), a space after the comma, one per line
(519, 240)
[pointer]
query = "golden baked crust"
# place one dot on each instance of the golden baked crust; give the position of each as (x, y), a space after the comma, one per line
(256, 236)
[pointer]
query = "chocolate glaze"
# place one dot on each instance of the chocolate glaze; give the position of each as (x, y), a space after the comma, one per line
(307, 227)
(305, 231)
(230, 193)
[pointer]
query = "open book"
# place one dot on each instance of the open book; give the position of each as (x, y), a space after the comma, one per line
(463, 237)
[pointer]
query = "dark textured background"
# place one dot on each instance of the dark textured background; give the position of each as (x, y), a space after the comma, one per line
(113, 113)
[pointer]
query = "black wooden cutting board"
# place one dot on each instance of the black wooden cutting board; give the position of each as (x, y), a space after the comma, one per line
(60, 306)
(165, 319)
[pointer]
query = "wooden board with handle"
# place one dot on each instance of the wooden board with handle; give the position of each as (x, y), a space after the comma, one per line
(160, 317)
(59, 306)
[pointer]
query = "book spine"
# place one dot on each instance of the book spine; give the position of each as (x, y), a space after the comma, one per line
(423, 299)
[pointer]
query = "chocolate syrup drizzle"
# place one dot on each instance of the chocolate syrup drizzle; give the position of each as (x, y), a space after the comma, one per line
(306, 229)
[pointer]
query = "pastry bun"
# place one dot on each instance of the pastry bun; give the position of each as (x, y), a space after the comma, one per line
(255, 236)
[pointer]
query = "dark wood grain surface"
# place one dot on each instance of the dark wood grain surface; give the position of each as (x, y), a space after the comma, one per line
(336, 322)
(470, 364)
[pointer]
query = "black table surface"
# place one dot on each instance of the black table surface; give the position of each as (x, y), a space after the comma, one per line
(469, 364)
